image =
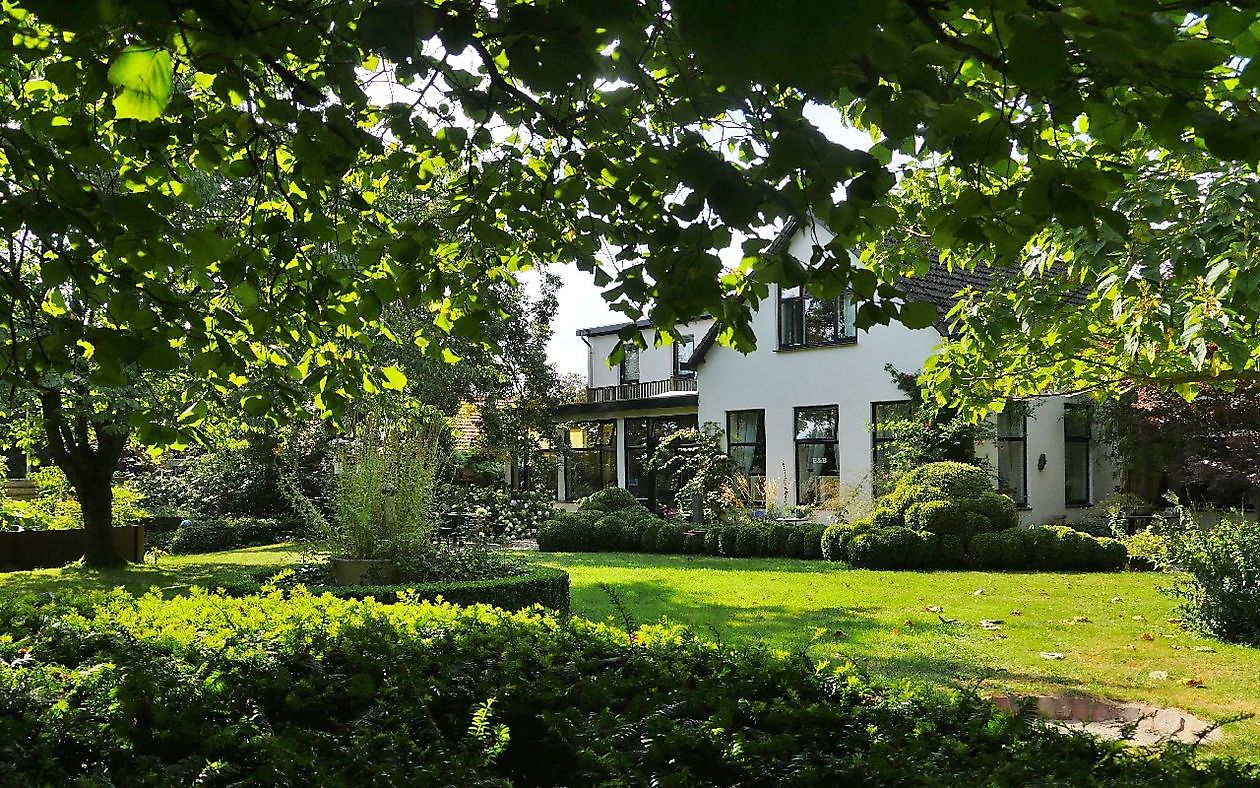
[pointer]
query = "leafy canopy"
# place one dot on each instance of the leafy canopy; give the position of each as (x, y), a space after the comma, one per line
(634, 138)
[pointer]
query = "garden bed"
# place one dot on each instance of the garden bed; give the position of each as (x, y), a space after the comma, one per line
(44, 549)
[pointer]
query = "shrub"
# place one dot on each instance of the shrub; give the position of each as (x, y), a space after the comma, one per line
(712, 541)
(694, 542)
(946, 498)
(212, 536)
(811, 540)
(999, 510)
(1000, 550)
(944, 481)
(746, 538)
(891, 548)
(833, 540)
(609, 499)
(1221, 594)
(939, 517)
(563, 533)
(726, 537)
(669, 538)
(632, 537)
(647, 541)
(325, 691)
(948, 552)
(794, 541)
(1147, 550)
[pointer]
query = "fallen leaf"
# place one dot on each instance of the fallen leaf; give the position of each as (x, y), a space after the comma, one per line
(1116, 599)
(946, 620)
(896, 630)
(1174, 621)
(1205, 649)
(933, 608)
(1017, 612)
(1158, 675)
(909, 623)
(1175, 647)
(1139, 618)
(839, 633)
(1147, 636)
(1196, 683)
(1130, 646)
(990, 625)
(1051, 655)
(978, 592)
(1080, 619)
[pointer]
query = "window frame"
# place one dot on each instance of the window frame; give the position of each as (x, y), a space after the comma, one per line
(758, 496)
(679, 372)
(610, 448)
(1086, 439)
(1022, 439)
(846, 334)
(624, 379)
(877, 441)
(798, 442)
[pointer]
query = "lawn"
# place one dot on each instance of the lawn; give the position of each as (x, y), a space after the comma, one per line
(884, 621)
(1112, 629)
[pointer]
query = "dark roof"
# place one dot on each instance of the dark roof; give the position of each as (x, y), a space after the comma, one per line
(597, 331)
(940, 286)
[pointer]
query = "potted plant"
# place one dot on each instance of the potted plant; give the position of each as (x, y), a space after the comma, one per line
(385, 481)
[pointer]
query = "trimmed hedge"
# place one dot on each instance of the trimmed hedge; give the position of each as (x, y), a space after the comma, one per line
(229, 533)
(283, 689)
(541, 586)
(1046, 547)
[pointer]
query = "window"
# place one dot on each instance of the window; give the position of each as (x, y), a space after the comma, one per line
(643, 436)
(746, 444)
(817, 468)
(630, 365)
(592, 460)
(1076, 437)
(1012, 454)
(806, 321)
(683, 349)
(884, 415)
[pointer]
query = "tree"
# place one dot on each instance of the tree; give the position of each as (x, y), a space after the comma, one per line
(635, 138)
(1207, 449)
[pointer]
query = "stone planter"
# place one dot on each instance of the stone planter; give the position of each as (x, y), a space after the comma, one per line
(364, 571)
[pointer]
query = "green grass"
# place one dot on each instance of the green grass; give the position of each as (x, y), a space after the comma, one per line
(880, 620)
(171, 573)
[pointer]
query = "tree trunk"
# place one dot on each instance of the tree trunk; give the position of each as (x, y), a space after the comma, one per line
(88, 451)
(96, 497)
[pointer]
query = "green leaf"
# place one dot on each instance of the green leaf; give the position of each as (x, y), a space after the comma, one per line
(395, 380)
(144, 75)
(918, 314)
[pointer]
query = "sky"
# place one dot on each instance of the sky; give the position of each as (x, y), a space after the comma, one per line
(581, 304)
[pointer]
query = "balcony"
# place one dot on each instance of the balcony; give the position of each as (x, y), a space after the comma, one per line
(643, 390)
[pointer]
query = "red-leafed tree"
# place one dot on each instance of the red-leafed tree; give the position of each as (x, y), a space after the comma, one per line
(1207, 449)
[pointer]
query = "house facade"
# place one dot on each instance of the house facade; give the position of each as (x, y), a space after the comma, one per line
(802, 413)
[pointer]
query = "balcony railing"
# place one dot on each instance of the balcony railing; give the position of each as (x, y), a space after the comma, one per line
(643, 390)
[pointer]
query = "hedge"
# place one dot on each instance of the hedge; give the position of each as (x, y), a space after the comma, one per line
(293, 689)
(229, 533)
(541, 586)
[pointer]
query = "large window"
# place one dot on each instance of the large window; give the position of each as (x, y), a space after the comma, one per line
(1012, 454)
(807, 321)
(683, 349)
(884, 417)
(591, 464)
(643, 436)
(1076, 436)
(630, 365)
(746, 444)
(817, 466)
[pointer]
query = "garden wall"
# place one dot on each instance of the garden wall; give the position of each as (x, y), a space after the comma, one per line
(43, 549)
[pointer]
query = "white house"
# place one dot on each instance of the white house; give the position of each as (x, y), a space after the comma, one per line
(802, 411)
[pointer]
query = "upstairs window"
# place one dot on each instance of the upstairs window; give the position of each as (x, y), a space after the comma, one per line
(807, 321)
(683, 349)
(630, 365)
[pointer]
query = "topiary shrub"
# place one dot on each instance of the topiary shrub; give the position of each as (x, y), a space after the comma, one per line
(832, 539)
(944, 481)
(888, 513)
(693, 542)
(999, 550)
(647, 540)
(726, 535)
(891, 548)
(793, 540)
(230, 533)
(669, 538)
(563, 533)
(946, 498)
(811, 540)
(712, 541)
(948, 552)
(1057, 547)
(776, 536)
(609, 499)
(746, 537)
(632, 537)
(999, 510)
(939, 517)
